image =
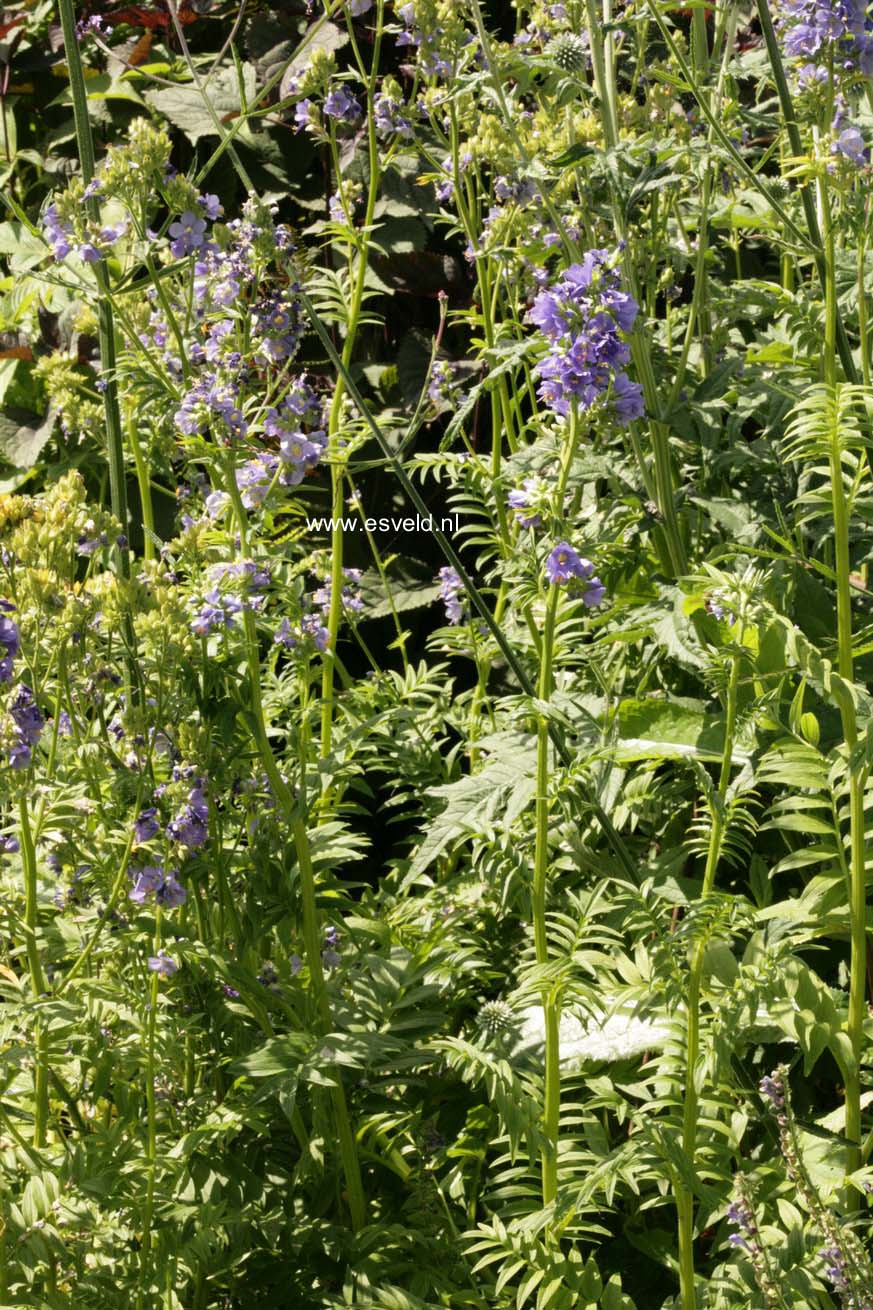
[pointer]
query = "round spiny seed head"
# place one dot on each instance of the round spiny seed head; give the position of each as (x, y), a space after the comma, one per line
(568, 52)
(495, 1017)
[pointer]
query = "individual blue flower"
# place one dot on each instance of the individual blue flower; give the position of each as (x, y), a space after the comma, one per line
(146, 825)
(340, 105)
(850, 144)
(146, 881)
(191, 826)
(162, 964)
(563, 564)
(303, 115)
(627, 399)
(211, 206)
(171, 894)
(188, 233)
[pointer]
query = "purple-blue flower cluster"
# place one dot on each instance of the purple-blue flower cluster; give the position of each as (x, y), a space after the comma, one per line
(221, 604)
(814, 29)
(442, 388)
(164, 884)
(351, 592)
(584, 316)
(297, 423)
(390, 121)
(28, 724)
(565, 566)
(255, 478)
(91, 243)
(312, 629)
(450, 593)
(191, 824)
(210, 399)
(278, 324)
(522, 499)
(24, 718)
(432, 56)
(10, 640)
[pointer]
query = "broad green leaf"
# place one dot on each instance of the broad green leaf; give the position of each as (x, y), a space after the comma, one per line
(23, 435)
(657, 729)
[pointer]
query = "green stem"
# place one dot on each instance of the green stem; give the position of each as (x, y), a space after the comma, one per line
(151, 1119)
(863, 328)
(857, 772)
(308, 894)
(145, 490)
(551, 1011)
(105, 321)
(551, 1003)
(336, 456)
(37, 977)
(691, 1104)
(639, 345)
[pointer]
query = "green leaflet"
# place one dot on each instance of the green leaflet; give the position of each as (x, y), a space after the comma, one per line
(504, 785)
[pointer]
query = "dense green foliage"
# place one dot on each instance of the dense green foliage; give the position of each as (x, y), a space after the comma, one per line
(435, 638)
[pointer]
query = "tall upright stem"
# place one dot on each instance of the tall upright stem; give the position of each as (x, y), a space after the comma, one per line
(551, 1004)
(691, 1104)
(151, 1119)
(551, 1012)
(308, 895)
(640, 352)
(857, 891)
(37, 977)
(105, 321)
(337, 461)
